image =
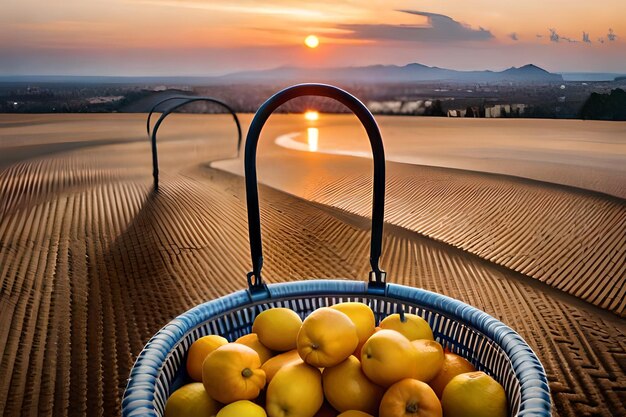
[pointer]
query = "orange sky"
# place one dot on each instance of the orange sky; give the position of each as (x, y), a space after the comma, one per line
(205, 37)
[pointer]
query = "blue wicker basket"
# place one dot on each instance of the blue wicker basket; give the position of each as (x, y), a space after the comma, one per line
(487, 343)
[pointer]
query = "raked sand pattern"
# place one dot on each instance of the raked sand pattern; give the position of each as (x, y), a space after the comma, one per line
(93, 262)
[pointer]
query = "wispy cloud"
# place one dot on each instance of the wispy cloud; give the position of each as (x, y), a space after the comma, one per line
(514, 36)
(439, 28)
(232, 8)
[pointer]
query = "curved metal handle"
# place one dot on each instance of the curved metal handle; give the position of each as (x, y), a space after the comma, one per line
(157, 104)
(155, 157)
(377, 276)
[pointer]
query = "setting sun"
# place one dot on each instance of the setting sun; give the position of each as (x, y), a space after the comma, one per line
(311, 115)
(311, 41)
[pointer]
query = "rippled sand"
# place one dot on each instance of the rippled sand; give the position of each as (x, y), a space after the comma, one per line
(93, 262)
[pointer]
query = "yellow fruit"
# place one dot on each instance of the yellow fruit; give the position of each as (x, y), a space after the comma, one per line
(347, 388)
(191, 400)
(277, 328)
(411, 398)
(354, 413)
(474, 394)
(274, 364)
(252, 341)
(453, 365)
(295, 391)
(242, 408)
(326, 338)
(198, 352)
(413, 327)
(233, 372)
(429, 357)
(387, 357)
(361, 315)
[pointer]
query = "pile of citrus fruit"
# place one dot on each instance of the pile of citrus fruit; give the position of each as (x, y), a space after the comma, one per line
(334, 363)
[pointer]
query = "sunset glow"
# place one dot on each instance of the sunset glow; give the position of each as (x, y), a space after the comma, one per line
(311, 115)
(201, 37)
(311, 41)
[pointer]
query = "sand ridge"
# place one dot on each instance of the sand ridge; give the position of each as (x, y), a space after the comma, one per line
(94, 262)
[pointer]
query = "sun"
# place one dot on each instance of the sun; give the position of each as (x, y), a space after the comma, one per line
(311, 41)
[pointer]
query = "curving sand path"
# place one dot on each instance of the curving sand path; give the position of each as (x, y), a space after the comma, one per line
(93, 262)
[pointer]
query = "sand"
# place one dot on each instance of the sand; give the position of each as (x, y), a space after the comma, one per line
(93, 262)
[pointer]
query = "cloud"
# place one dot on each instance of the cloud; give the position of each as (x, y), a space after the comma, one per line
(513, 36)
(586, 37)
(554, 37)
(439, 28)
(611, 35)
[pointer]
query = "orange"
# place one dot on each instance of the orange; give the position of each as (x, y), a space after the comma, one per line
(354, 413)
(474, 394)
(198, 352)
(191, 400)
(413, 327)
(241, 408)
(429, 356)
(453, 365)
(277, 328)
(411, 398)
(387, 357)
(274, 364)
(252, 340)
(361, 315)
(347, 388)
(326, 338)
(295, 391)
(233, 372)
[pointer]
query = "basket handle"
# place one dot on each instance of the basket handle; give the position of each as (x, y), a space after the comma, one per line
(376, 276)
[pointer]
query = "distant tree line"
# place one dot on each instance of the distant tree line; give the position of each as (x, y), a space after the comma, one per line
(605, 106)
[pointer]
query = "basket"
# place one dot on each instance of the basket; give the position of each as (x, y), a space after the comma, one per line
(490, 345)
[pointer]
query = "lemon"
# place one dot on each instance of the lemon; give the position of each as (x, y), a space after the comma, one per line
(295, 391)
(429, 357)
(347, 388)
(242, 408)
(413, 327)
(387, 357)
(453, 365)
(277, 328)
(326, 338)
(198, 352)
(474, 394)
(354, 413)
(233, 372)
(252, 341)
(191, 400)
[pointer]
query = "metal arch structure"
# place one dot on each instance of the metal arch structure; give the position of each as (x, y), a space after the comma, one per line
(187, 100)
(154, 108)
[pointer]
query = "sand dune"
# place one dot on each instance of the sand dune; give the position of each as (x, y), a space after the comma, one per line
(93, 262)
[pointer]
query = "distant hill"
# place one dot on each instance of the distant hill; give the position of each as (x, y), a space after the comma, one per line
(392, 74)
(605, 106)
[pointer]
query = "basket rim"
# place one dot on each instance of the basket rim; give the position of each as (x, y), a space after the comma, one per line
(534, 390)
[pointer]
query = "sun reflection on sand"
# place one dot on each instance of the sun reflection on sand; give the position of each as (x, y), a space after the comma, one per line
(312, 134)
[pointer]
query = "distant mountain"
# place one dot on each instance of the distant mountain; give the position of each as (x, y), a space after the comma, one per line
(391, 74)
